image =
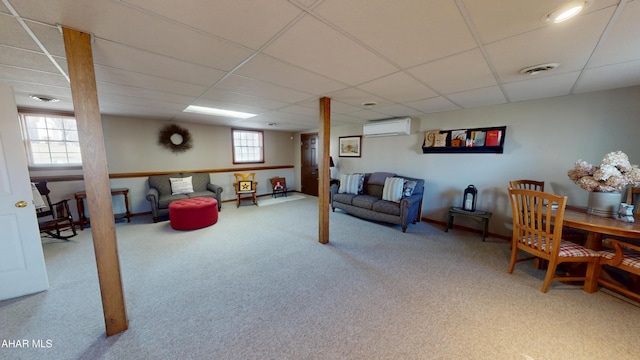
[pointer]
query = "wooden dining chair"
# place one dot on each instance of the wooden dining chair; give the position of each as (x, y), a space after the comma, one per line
(538, 231)
(245, 187)
(622, 255)
(527, 184)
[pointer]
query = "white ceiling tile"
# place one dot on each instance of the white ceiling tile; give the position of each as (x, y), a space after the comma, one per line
(497, 20)
(402, 32)
(541, 87)
(570, 45)
(621, 43)
(397, 110)
(398, 87)
(230, 19)
(357, 97)
(257, 88)
(123, 77)
(274, 71)
(315, 46)
(132, 91)
(456, 73)
(436, 104)
(124, 57)
(609, 77)
(242, 99)
(478, 97)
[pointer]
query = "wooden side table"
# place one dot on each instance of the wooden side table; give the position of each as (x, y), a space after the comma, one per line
(478, 215)
(80, 195)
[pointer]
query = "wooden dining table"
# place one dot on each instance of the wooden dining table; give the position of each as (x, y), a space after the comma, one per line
(598, 227)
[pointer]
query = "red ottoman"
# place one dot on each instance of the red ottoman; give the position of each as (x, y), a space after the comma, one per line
(195, 213)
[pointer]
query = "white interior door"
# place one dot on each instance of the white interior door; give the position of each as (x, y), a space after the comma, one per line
(22, 267)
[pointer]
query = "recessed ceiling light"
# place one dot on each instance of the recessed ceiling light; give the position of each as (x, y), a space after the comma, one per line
(565, 12)
(44, 98)
(220, 112)
(536, 69)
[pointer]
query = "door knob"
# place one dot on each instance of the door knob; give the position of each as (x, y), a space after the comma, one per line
(21, 204)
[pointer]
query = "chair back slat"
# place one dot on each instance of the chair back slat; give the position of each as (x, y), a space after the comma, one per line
(537, 220)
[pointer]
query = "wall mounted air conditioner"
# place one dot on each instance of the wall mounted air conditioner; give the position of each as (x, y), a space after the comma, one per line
(397, 126)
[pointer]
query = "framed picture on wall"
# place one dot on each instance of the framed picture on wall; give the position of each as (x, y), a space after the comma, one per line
(350, 146)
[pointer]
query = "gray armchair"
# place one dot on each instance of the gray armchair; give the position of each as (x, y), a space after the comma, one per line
(160, 196)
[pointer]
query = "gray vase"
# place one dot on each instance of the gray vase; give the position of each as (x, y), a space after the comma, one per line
(604, 203)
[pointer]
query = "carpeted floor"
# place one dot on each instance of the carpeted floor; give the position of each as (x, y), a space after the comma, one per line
(258, 285)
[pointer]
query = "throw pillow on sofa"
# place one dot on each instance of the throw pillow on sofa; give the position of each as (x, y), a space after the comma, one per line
(409, 186)
(351, 184)
(181, 185)
(392, 190)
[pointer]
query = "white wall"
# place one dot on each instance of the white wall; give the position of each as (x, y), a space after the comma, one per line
(543, 140)
(131, 147)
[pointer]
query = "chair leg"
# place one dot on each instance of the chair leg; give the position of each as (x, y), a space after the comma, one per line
(514, 257)
(592, 275)
(551, 272)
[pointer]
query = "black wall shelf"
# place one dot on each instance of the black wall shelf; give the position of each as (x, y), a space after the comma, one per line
(448, 149)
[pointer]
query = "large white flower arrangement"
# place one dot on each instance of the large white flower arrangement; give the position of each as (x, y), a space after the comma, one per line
(614, 174)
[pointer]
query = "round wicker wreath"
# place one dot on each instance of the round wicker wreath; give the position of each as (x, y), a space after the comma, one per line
(165, 138)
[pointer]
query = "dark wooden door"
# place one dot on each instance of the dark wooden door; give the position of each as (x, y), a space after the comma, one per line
(309, 164)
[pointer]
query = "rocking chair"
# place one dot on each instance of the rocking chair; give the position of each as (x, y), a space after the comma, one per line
(54, 219)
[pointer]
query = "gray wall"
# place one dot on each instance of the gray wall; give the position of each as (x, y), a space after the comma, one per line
(544, 138)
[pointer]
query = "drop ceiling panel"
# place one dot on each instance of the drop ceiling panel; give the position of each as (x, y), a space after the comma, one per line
(315, 46)
(621, 43)
(242, 99)
(497, 20)
(128, 78)
(610, 77)
(570, 46)
(397, 110)
(32, 76)
(402, 32)
(398, 87)
(478, 97)
(231, 19)
(257, 88)
(123, 24)
(131, 91)
(541, 87)
(50, 37)
(124, 57)
(433, 105)
(274, 71)
(12, 34)
(15, 57)
(456, 73)
(357, 97)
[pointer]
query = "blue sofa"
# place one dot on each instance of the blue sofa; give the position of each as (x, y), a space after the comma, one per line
(368, 203)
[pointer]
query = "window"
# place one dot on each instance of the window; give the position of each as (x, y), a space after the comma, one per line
(247, 146)
(51, 140)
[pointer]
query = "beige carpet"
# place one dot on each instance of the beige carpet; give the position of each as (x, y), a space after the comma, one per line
(258, 285)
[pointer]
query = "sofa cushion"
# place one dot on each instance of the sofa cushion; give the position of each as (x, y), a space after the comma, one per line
(351, 184)
(181, 185)
(378, 178)
(387, 207)
(162, 183)
(165, 200)
(364, 201)
(343, 198)
(392, 190)
(199, 180)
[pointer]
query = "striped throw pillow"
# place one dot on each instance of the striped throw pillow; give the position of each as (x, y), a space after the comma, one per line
(350, 184)
(392, 190)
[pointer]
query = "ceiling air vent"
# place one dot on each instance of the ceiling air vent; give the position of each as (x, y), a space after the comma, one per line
(535, 69)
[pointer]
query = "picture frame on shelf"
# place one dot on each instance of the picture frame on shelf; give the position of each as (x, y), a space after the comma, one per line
(350, 146)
